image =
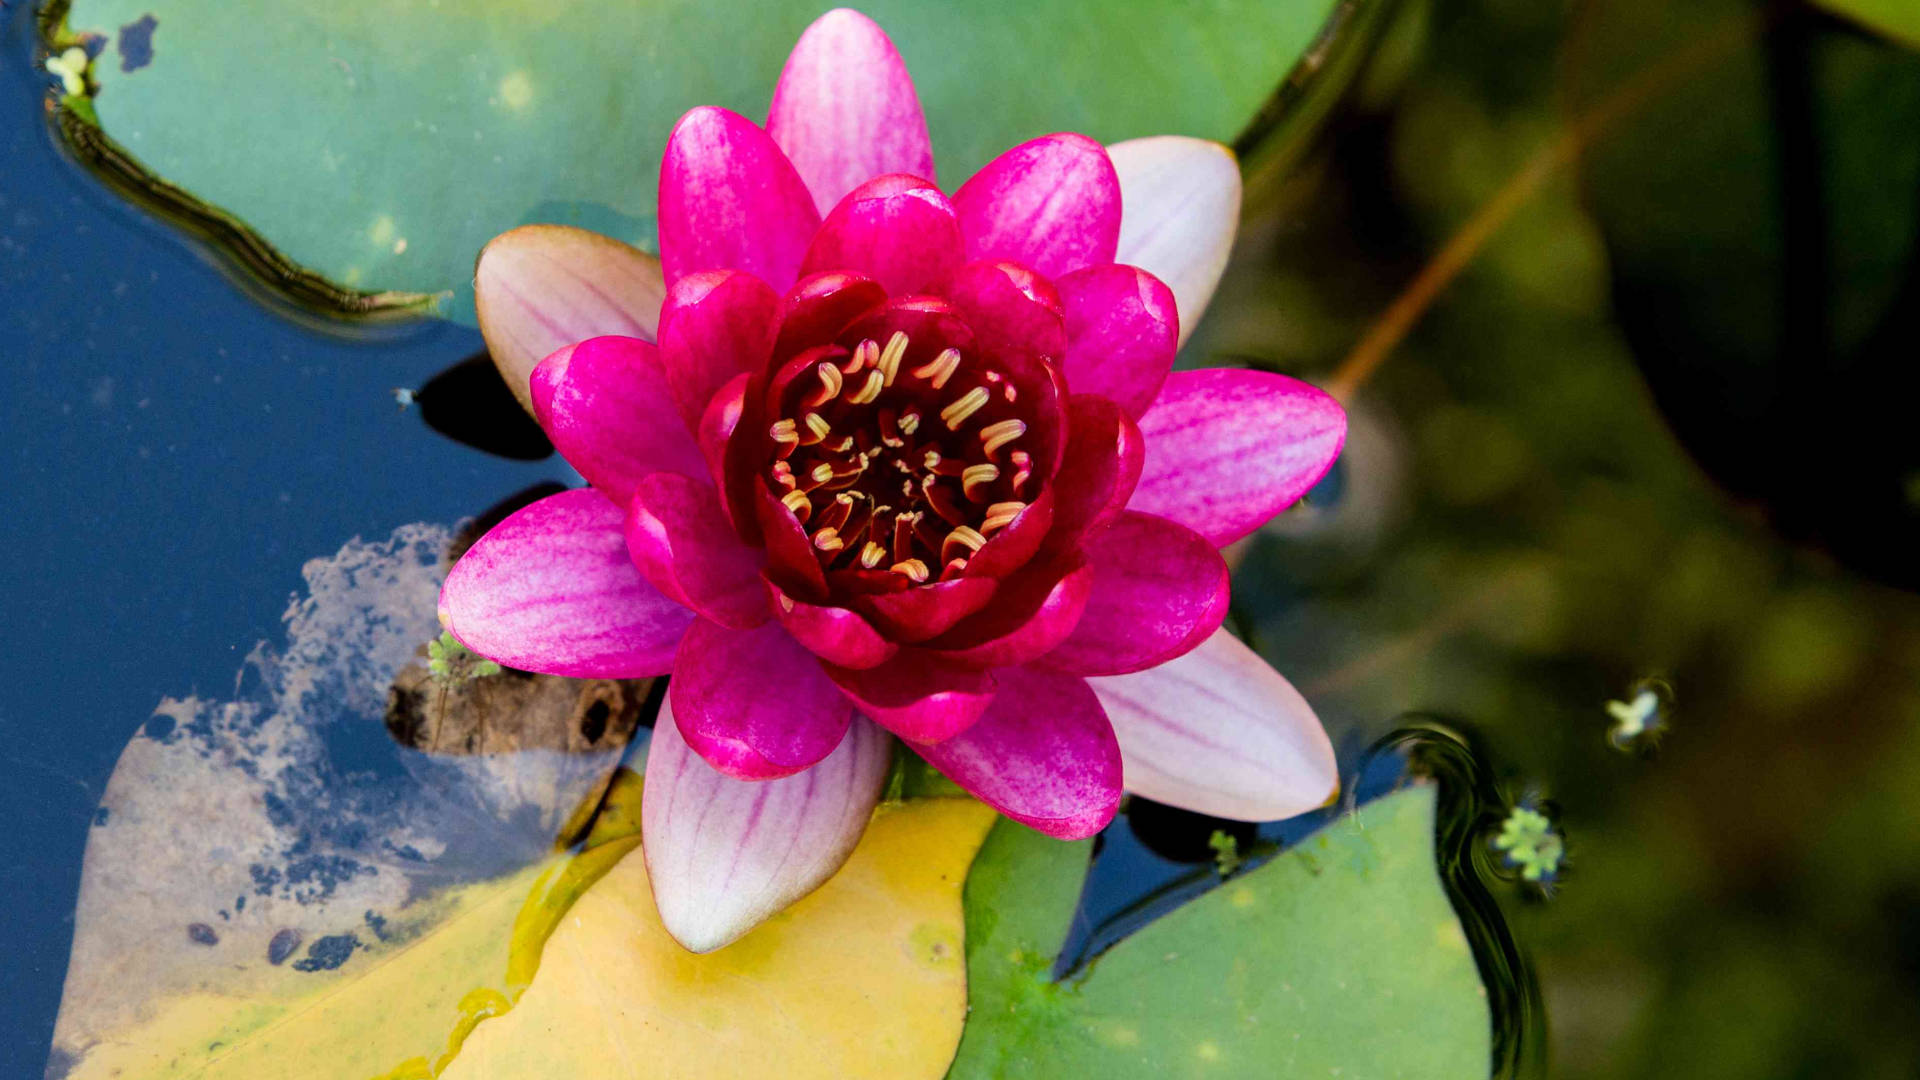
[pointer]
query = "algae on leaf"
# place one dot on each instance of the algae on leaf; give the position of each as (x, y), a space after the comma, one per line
(1341, 956)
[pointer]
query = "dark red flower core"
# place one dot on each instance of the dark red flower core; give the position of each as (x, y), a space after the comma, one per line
(901, 453)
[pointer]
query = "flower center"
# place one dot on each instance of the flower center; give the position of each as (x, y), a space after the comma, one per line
(895, 468)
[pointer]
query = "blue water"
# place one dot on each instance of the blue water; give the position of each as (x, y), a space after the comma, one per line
(173, 452)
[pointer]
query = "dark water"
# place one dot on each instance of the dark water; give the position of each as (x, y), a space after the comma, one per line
(173, 454)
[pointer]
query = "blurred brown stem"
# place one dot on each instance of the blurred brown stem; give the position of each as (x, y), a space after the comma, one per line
(1400, 317)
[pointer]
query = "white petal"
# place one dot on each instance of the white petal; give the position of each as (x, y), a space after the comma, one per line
(725, 855)
(1180, 206)
(1219, 732)
(538, 288)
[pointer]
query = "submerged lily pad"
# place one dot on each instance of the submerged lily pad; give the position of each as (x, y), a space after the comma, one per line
(273, 878)
(371, 148)
(1339, 957)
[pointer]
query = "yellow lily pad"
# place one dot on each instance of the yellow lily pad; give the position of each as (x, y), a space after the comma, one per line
(865, 977)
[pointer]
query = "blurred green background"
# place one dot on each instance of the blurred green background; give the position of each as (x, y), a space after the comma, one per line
(1660, 425)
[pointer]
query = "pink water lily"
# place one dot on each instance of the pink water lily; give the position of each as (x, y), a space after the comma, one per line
(870, 458)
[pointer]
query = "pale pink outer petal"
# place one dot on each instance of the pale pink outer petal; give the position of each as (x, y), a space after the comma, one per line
(1051, 204)
(845, 110)
(753, 702)
(539, 287)
(681, 540)
(730, 200)
(601, 401)
(551, 589)
(1219, 732)
(1181, 199)
(1228, 448)
(1121, 334)
(724, 855)
(1044, 755)
(1159, 589)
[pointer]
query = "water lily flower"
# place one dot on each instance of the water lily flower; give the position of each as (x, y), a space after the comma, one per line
(872, 459)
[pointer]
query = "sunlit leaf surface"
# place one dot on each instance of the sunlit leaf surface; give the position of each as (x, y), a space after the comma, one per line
(380, 144)
(1899, 19)
(863, 978)
(1340, 957)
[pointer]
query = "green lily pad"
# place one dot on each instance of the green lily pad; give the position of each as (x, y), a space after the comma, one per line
(1340, 957)
(371, 148)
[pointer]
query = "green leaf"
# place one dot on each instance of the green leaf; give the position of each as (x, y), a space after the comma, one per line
(1898, 19)
(371, 148)
(1341, 956)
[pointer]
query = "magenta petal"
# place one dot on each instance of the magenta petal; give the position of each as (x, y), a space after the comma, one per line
(918, 696)
(924, 611)
(834, 634)
(1227, 449)
(724, 855)
(1052, 204)
(1102, 464)
(1033, 612)
(845, 111)
(1219, 732)
(601, 402)
(714, 326)
(681, 540)
(717, 423)
(1159, 589)
(898, 230)
(753, 702)
(1009, 307)
(1122, 331)
(1044, 755)
(730, 200)
(551, 589)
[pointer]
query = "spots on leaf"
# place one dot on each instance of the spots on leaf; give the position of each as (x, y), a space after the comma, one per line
(136, 43)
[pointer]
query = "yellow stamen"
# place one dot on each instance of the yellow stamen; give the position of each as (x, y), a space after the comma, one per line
(960, 537)
(974, 481)
(798, 502)
(915, 570)
(870, 391)
(889, 362)
(940, 368)
(828, 540)
(818, 427)
(959, 409)
(871, 555)
(1000, 515)
(994, 436)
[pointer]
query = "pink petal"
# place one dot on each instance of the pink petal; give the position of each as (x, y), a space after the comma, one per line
(924, 611)
(602, 403)
(1052, 204)
(844, 109)
(730, 200)
(1103, 458)
(1159, 589)
(717, 423)
(1122, 332)
(1044, 755)
(1219, 732)
(683, 543)
(918, 696)
(551, 589)
(715, 325)
(724, 855)
(1009, 307)
(1030, 616)
(834, 634)
(1227, 449)
(753, 702)
(540, 287)
(896, 229)
(1182, 199)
